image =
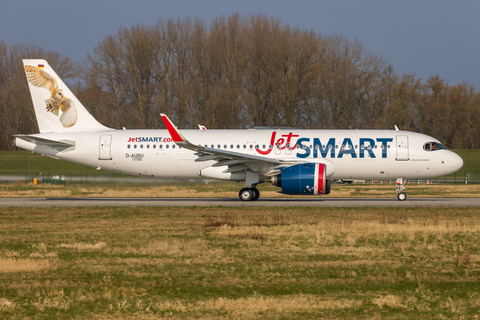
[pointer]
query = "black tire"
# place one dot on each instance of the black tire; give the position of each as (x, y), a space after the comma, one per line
(402, 196)
(246, 194)
(256, 194)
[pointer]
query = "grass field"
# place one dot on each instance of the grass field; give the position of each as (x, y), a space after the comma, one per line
(45, 165)
(240, 263)
(16, 163)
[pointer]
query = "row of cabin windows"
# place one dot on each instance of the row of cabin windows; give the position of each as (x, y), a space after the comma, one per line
(153, 146)
(263, 147)
(298, 147)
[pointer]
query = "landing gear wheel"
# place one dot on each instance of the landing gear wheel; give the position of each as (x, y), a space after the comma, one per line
(256, 194)
(402, 196)
(246, 194)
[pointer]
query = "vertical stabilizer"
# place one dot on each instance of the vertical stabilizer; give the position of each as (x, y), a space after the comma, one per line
(56, 108)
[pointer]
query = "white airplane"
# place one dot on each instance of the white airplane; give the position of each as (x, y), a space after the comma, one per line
(301, 162)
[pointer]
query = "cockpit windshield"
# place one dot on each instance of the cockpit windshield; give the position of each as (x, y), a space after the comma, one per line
(433, 146)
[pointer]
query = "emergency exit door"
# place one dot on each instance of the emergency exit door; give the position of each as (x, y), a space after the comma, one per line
(105, 147)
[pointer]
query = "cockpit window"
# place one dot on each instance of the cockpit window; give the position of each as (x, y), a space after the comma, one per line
(433, 146)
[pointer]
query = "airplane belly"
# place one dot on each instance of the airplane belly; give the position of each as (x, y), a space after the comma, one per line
(188, 168)
(343, 169)
(164, 165)
(364, 169)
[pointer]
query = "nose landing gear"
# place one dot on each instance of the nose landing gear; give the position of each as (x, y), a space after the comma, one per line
(402, 196)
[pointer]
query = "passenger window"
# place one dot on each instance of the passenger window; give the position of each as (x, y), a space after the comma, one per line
(173, 147)
(148, 146)
(154, 146)
(161, 146)
(135, 146)
(167, 146)
(128, 146)
(244, 147)
(141, 146)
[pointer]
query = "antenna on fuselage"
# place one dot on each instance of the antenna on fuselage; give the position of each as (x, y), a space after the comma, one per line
(396, 128)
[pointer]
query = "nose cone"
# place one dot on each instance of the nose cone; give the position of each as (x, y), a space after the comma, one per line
(455, 162)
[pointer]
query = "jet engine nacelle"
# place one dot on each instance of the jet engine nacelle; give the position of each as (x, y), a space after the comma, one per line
(304, 178)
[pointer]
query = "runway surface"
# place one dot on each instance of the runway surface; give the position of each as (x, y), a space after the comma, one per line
(234, 202)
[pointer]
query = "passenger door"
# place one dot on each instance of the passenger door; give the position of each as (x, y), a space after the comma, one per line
(105, 147)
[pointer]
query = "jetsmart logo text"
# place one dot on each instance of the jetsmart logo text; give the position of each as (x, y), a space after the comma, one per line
(365, 146)
(146, 139)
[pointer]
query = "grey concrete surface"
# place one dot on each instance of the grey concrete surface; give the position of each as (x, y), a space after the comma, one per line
(235, 202)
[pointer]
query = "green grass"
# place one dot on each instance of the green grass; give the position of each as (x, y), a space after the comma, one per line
(239, 263)
(17, 163)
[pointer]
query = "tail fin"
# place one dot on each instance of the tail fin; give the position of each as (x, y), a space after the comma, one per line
(55, 105)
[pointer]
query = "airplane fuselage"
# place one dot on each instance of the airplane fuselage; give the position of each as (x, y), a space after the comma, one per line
(348, 154)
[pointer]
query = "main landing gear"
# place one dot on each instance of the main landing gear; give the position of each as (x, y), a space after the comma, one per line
(249, 194)
(402, 196)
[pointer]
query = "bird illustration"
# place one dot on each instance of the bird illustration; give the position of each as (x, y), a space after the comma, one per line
(57, 101)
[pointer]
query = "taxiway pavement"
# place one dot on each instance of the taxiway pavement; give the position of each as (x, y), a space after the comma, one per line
(234, 202)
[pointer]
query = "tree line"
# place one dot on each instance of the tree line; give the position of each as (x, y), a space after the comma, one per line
(242, 71)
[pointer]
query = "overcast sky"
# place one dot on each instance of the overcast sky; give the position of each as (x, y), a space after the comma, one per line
(426, 37)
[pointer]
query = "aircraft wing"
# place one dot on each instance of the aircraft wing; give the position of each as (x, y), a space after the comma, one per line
(45, 142)
(235, 161)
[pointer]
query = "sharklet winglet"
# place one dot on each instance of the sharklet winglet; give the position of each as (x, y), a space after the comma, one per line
(172, 129)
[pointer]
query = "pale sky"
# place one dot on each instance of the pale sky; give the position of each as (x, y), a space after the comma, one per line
(426, 37)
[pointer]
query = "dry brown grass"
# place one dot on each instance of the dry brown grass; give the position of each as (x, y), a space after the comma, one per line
(26, 265)
(239, 263)
(227, 190)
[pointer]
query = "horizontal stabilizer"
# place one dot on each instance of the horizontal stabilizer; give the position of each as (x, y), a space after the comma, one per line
(45, 142)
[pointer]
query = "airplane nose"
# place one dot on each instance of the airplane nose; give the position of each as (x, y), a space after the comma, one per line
(456, 162)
